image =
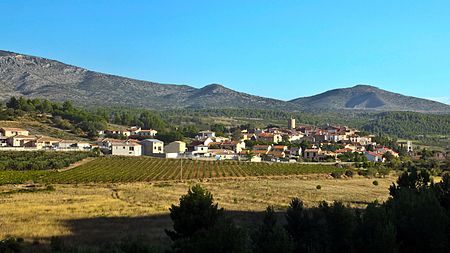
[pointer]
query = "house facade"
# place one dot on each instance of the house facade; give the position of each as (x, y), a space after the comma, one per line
(147, 133)
(12, 131)
(178, 147)
(126, 149)
(152, 147)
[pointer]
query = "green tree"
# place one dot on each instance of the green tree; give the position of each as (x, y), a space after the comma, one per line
(270, 237)
(375, 232)
(415, 180)
(421, 222)
(196, 212)
(223, 237)
(340, 226)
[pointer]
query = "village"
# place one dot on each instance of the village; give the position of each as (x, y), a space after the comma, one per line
(274, 144)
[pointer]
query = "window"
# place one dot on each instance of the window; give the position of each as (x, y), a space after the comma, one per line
(131, 148)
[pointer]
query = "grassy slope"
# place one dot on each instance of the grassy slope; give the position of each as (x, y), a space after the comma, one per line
(42, 127)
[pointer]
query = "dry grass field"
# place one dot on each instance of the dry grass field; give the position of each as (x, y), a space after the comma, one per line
(87, 213)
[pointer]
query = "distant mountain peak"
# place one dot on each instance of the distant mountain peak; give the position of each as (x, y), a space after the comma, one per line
(214, 87)
(365, 86)
(368, 97)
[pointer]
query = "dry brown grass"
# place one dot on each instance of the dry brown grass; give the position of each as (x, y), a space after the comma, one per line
(87, 213)
(40, 128)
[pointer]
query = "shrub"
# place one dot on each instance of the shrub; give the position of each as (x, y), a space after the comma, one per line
(375, 182)
(336, 174)
(349, 173)
(318, 187)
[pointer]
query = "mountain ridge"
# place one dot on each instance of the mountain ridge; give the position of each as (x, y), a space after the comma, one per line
(368, 97)
(37, 77)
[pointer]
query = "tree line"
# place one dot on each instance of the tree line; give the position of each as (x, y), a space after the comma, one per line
(416, 218)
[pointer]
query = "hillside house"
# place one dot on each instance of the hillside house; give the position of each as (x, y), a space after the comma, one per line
(152, 147)
(73, 145)
(22, 141)
(248, 136)
(134, 130)
(221, 139)
(200, 150)
(146, 133)
(106, 143)
(276, 154)
(270, 137)
(125, 133)
(374, 157)
(223, 154)
(44, 142)
(312, 153)
(202, 135)
(261, 150)
(12, 131)
(383, 150)
(295, 152)
(232, 145)
(126, 149)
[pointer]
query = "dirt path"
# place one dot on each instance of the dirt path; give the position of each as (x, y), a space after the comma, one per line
(79, 163)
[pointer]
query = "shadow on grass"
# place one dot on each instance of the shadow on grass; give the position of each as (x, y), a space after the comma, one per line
(95, 232)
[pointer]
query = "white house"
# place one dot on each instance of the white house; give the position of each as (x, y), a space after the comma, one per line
(126, 149)
(147, 133)
(205, 134)
(200, 150)
(374, 157)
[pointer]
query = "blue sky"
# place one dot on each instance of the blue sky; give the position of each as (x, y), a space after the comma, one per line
(280, 49)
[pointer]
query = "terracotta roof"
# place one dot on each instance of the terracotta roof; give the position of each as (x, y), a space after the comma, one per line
(279, 154)
(374, 154)
(344, 150)
(259, 152)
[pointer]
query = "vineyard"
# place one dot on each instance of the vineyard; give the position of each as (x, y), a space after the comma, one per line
(39, 160)
(143, 169)
(146, 169)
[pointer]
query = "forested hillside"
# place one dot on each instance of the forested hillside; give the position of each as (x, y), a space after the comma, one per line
(409, 124)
